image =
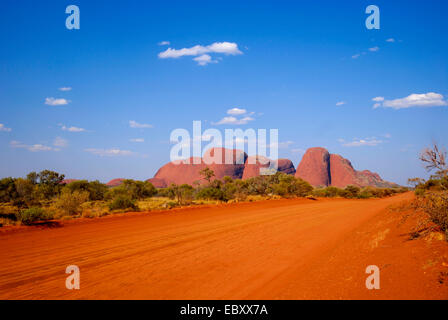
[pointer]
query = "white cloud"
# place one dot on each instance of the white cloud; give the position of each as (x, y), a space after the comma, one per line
(378, 99)
(164, 43)
(356, 56)
(201, 52)
(3, 128)
(137, 140)
(429, 99)
(225, 48)
(109, 152)
(136, 125)
(32, 148)
(56, 102)
(228, 48)
(60, 142)
(40, 147)
(65, 89)
(374, 49)
(341, 103)
(372, 142)
(390, 40)
(204, 60)
(236, 111)
(235, 121)
(73, 129)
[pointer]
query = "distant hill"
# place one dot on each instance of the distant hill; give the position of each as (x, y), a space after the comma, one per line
(318, 167)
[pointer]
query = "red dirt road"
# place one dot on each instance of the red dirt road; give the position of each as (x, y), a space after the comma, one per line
(278, 249)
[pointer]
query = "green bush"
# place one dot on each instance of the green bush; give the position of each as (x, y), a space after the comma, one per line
(365, 194)
(289, 186)
(435, 204)
(49, 183)
(123, 202)
(69, 203)
(210, 193)
(352, 191)
(31, 215)
(26, 193)
(8, 190)
(96, 189)
(137, 190)
(329, 192)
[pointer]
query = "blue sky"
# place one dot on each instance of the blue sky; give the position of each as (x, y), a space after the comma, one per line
(294, 61)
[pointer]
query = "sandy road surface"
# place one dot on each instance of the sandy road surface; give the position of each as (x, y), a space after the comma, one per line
(263, 250)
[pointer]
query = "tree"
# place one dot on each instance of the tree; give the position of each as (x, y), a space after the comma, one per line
(50, 183)
(96, 189)
(8, 190)
(49, 177)
(414, 182)
(434, 158)
(32, 177)
(137, 189)
(207, 173)
(25, 192)
(183, 193)
(211, 193)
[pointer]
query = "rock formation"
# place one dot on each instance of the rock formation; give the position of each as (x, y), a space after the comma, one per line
(188, 171)
(315, 167)
(254, 165)
(115, 182)
(223, 162)
(320, 168)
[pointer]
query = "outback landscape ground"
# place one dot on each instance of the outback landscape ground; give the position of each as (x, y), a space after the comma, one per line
(276, 249)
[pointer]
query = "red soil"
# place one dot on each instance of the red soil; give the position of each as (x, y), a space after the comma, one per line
(278, 249)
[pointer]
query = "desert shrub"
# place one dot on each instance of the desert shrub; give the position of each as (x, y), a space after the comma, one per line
(26, 193)
(8, 190)
(139, 189)
(229, 190)
(241, 192)
(163, 192)
(366, 194)
(444, 183)
(94, 209)
(352, 191)
(136, 190)
(123, 202)
(289, 186)
(328, 192)
(258, 186)
(210, 193)
(183, 194)
(429, 185)
(96, 189)
(435, 204)
(31, 215)
(170, 205)
(69, 203)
